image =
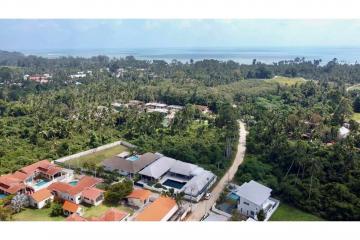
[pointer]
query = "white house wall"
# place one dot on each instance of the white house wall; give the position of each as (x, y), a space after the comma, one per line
(170, 213)
(246, 209)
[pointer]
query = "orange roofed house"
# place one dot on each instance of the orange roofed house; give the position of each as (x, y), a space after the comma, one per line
(162, 209)
(75, 218)
(83, 191)
(111, 214)
(70, 208)
(40, 198)
(138, 197)
(32, 178)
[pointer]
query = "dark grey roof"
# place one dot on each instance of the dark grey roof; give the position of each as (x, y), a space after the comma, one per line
(123, 164)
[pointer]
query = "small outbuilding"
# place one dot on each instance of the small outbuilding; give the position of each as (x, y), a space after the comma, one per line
(138, 197)
(40, 198)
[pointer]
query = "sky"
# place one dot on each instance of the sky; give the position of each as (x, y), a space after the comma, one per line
(122, 34)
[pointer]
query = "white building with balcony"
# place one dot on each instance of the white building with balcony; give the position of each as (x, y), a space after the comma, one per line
(252, 197)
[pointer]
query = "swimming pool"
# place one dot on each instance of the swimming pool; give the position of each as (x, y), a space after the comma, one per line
(41, 182)
(74, 182)
(233, 196)
(133, 158)
(174, 184)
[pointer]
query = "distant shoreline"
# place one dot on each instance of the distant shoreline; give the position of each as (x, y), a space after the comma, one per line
(268, 55)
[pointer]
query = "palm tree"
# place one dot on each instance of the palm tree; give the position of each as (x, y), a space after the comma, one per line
(179, 198)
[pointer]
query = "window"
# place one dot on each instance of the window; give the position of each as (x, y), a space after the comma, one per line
(246, 203)
(252, 213)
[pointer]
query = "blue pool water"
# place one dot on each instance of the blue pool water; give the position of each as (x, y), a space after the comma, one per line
(233, 196)
(2, 196)
(73, 183)
(133, 158)
(41, 182)
(174, 184)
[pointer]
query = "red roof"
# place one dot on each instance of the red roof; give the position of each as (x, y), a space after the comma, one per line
(75, 217)
(157, 210)
(20, 175)
(84, 183)
(31, 168)
(92, 193)
(11, 184)
(141, 194)
(54, 170)
(70, 207)
(41, 195)
(60, 187)
(112, 214)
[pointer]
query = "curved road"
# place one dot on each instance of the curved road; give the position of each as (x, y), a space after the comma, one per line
(200, 209)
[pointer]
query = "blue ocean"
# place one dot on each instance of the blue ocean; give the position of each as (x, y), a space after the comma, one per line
(242, 55)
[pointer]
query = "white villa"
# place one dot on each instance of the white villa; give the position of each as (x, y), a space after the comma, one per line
(191, 179)
(252, 197)
(343, 132)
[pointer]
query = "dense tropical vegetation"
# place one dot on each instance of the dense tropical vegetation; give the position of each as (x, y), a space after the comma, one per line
(293, 145)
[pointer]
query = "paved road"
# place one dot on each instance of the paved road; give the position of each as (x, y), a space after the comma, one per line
(200, 209)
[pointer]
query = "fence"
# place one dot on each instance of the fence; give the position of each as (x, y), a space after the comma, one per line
(218, 211)
(94, 150)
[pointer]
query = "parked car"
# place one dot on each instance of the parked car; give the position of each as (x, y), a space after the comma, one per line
(207, 196)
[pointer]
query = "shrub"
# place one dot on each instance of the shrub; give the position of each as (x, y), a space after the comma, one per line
(56, 210)
(118, 191)
(5, 214)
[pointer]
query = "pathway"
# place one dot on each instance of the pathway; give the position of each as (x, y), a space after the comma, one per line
(204, 206)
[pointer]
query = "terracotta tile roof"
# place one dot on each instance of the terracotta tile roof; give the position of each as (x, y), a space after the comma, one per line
(44, 166)
(41, 195)
(141, 194)
(157, 210)
(84, 182)
(88, 181)
(112, 214)
(20, 175)
(75, 217)
(54, 170)
(70, 207)
(31, 168)
(92, 193)
(11, 184)
(60, 187)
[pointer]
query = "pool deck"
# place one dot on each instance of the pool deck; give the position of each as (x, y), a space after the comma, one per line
(174, 178)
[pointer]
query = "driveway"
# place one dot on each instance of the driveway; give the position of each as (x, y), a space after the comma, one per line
(201, 208)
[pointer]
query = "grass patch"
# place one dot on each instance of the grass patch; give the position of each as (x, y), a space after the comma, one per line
(97, 157)
(353, 87)
(356, 117)
(286, 80)
(32, 214)
(288, 213)
(97, 211)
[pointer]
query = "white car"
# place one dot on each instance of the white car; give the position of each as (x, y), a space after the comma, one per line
(207, 196)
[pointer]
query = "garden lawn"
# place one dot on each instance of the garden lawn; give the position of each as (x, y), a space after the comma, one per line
(286, 80)
(30, 214)
(356, 117)
(289, 213)
(97, 157)
(97, 211)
